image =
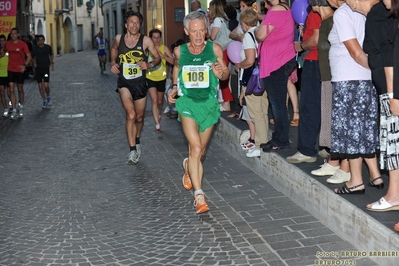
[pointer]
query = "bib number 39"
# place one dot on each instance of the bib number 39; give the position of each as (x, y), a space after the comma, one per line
(131, 71)
(196, 77)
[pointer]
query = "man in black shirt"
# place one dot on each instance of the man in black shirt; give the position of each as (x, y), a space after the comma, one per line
(43, 59)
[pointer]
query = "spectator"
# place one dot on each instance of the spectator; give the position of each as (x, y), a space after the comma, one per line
(382, 56)
(219, 23)
(257, 105)
(309, 104)
(277, 61)
(354, 129)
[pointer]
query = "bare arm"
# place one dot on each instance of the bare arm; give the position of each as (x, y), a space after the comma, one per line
(148, 44)
(356, 52)
(219, 67)
(264, 30)
(52, 61)
(114, 54)
(309, 43)
(214, 33)
(167, 55)
(28, 59)
(173, 92)
(235, 36)
(250, 55)
(393, 103)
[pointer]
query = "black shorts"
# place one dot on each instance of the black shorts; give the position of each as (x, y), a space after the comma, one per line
(4, 81)
(42, 75)
(138, 89)
(16, 77)
(160, 85)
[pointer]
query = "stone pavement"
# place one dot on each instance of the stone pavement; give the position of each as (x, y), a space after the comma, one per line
(67, 196)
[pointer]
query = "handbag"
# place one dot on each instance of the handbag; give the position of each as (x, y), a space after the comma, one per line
(255, 85)
(251, 76)
(222, 38)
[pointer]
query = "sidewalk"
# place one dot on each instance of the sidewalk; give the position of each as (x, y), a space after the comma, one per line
(67, 196)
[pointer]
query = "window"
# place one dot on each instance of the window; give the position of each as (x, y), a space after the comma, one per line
(80, 2)
(155, 15)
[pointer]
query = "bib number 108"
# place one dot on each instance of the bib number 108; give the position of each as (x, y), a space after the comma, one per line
(195, 76)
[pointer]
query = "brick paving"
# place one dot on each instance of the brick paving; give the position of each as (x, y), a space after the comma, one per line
(67, 196)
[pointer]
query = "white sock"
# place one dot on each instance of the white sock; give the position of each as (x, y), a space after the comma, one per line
(198, 192)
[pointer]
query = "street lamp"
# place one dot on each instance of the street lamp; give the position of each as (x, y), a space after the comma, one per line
(89, 7)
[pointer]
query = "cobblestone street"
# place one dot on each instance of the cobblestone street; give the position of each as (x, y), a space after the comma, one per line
(67, 196)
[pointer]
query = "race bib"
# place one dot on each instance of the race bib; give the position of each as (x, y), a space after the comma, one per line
(101, 46)
(131, 71)
(196, 77)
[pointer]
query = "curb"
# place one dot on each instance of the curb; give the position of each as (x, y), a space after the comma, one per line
(349, 222)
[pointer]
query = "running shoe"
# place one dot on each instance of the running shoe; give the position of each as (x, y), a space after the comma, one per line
(186, 177)
(49, 103)
(44, 106)
(5, 113)
(200, 203)
(158, 128)
(167, 109)
(14, 115)
(133, 157)
(20, 112)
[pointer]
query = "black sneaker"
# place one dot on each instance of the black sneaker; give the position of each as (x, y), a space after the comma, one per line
(271, 146)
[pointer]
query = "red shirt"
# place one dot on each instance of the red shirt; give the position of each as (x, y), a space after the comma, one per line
(313, 22)
(16, 54)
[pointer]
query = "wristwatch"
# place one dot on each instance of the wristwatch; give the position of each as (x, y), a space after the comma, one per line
(152, 65)
(300, 44)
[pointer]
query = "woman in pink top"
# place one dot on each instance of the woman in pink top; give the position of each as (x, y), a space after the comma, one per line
(277, 61)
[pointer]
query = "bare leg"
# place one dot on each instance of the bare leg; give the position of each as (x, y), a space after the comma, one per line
(21, 95)
(154, 104)
(160, 96)
(11, 93)
(3, 97)
(47, 88)
(344, 166)
(140, 110)
(373, 169)
(333, 162)
(293, 96)
(356, 174)
(197, 142)
(251, 126)
(41, 90)
(134, 115)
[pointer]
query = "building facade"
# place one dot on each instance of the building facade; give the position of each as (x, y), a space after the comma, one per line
(165, 15)
(68, 25)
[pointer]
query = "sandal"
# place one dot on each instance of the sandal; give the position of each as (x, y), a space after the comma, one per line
(243, 145)
(248, 145)
(232, 115)
(377, 186)
(349, 190)
(396, 227)
(295, 121)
